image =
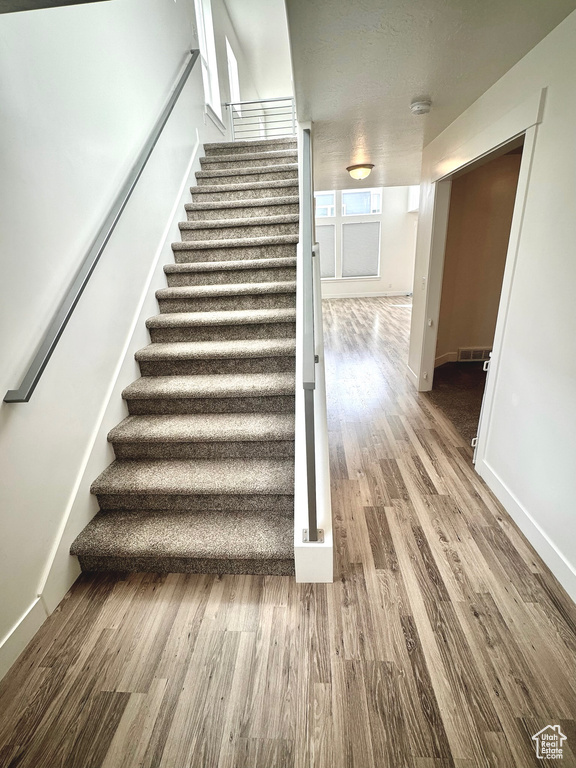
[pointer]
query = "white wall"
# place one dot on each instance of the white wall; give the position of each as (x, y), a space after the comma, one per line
(397, 244)
(528, 449)
(81, 89)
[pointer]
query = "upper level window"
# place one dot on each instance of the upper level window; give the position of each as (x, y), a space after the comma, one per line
(208, 55)
(325, 204)
(359, 202)
(233, 76)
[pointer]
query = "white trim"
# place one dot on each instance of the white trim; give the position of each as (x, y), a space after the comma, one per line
(214, 118)
(346, 279)
(365, 295)
(447, 357)
(544, 546)
(511, 124)
(412, 376)
(14, 642)
(485, 422)
(519, 120)
(441, 210)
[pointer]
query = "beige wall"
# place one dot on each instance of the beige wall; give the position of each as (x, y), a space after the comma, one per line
(481, 206)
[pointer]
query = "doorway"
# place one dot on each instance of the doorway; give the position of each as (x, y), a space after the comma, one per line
(481, 207)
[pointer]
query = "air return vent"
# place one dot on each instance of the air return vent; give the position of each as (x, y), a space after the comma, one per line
(473, 354)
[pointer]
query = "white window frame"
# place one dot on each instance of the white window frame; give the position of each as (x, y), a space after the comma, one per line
(338, 220)
(316, 206)
(207, 46)
(373, 192)
(233, 76)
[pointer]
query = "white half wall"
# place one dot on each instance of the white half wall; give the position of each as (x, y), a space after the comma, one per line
(526, 448)
(397, 246)
(85, 86)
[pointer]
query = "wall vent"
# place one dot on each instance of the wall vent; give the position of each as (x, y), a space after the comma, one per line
(473, 354)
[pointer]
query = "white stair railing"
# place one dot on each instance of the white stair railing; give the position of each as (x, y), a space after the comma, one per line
(262, 119)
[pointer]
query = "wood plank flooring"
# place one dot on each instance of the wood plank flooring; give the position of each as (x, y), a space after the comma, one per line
(445, 641)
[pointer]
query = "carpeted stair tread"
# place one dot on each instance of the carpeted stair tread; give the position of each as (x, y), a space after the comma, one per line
(247, 186)
(248, 203)
(211, 386)
(225, 289)
(230, 317)
(291, 218)
(202, 427)
(251, 144)
(198, 477)
(225, 266)
(241, 535)
(267, 154)
(243, 242)
(234, 169)
(216, 350)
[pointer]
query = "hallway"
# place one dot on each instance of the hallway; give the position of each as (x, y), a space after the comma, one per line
(445, 641)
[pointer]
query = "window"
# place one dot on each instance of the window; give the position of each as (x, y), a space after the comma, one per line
(360, 249)
(348, 230)
(233, 77)
(208, 55)
(358, 202)
(326, 237)
(324, 204)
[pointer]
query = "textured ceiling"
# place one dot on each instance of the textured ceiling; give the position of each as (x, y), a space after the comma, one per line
(359, 63)
(263, 34)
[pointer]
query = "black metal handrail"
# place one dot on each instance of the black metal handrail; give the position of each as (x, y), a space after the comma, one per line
(62, 316)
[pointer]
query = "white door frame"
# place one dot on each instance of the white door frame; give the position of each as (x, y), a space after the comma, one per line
(481, 146)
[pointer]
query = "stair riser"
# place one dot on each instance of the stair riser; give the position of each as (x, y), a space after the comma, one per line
(276, 449)
(185, 565)
(223, 303)
(236, 149)
(224, 332)
(224, 366)
(171, 406)
(249, 212)
(224, 163)
(198, 502)
(225, 277)
(196, 256)
(231, 233)
(204, 196)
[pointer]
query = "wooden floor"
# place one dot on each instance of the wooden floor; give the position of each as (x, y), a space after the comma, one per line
(444, 641)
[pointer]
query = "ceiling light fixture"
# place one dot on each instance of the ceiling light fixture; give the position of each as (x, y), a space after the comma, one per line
(361, 171)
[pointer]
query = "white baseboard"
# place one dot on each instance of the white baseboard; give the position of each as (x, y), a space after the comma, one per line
(364, 295)
(20, 635)
(562, 569)
(412, 376)
(447, 357)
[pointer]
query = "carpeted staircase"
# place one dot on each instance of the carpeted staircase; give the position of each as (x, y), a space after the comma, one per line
(204, 472)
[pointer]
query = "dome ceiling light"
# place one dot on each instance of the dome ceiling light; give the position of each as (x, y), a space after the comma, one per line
(361, 171)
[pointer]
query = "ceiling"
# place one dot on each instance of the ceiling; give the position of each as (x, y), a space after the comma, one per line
(358, 64)
(263, 35)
